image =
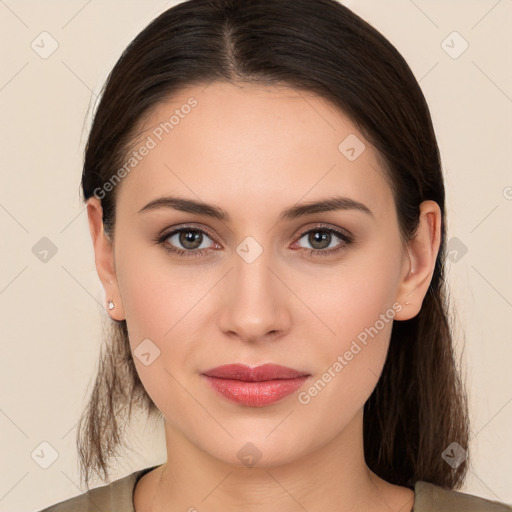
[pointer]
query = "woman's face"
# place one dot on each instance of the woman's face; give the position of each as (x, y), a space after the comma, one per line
(255, 294)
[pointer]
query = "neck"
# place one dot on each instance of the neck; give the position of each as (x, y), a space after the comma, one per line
(333, 477)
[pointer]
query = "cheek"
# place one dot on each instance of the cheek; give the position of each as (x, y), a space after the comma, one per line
(159, 308)
(161, 303)
(352, 297)
(349, 363)
(355, 312)
(155, 293)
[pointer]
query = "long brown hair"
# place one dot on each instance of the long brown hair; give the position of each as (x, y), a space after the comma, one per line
(419, 406)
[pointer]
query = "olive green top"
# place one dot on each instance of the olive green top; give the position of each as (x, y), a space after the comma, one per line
(118, 497)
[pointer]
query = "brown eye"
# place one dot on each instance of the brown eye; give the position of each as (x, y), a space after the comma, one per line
(323, 240)
(186, 241)
(190, 239)
(319, 238)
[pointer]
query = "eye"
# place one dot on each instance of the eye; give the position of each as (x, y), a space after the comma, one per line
(322, 238)
(186, 241)
(189, 241)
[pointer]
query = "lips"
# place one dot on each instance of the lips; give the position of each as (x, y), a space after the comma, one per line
(255, 387)
(258, 374)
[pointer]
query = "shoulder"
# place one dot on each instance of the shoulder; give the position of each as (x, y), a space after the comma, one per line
(115, 496)
(429, 497)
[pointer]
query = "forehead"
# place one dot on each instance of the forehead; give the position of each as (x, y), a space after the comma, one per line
(251, 146)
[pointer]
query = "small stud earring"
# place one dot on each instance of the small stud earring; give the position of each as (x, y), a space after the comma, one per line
(110, 304)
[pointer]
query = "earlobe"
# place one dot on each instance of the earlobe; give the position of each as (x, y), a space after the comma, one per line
(422, 251)
(104, 257)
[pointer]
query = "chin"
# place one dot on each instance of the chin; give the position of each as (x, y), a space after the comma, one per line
(256, 451)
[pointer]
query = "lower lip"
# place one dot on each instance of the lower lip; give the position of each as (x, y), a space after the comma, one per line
(255, 394)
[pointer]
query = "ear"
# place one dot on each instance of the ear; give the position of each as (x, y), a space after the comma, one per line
(418, 270)
(104, 257)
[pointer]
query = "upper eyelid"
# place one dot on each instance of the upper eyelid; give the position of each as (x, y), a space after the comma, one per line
(177, 229)
(319, 226)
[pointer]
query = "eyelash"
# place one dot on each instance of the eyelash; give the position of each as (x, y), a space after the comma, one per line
(347, 240)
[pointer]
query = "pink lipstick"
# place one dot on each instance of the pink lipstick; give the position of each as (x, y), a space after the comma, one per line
(255, 387)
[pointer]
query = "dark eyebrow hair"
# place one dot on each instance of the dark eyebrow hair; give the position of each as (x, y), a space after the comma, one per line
(192, 206)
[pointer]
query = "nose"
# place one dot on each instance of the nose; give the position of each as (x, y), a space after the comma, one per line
(256, 301)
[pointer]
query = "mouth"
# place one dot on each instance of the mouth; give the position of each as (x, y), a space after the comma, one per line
(255, 387)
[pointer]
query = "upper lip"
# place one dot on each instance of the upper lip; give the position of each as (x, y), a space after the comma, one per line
(257, 374)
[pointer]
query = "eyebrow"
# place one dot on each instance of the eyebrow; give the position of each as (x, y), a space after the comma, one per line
(329, 204)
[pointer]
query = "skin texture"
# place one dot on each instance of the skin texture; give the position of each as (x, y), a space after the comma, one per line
(255, 151)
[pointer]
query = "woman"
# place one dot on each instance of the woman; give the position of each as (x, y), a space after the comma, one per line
(266, 205)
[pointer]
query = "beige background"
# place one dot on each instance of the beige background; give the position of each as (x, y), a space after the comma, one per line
(51, 311)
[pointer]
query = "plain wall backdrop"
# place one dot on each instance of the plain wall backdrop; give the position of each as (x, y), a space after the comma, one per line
(55, 58)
